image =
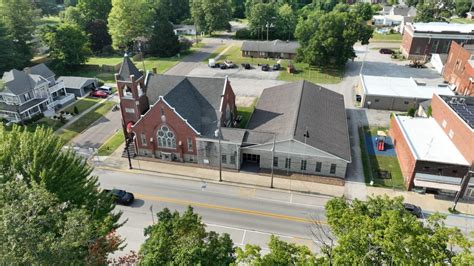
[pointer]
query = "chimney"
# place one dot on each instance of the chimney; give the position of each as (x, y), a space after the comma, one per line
(154, 70)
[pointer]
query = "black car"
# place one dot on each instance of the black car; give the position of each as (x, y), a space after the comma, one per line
(413, 209)
(222, 66)
(246, 65)
(276, 67)
(386, 51)
(121, 196)
(265, 67)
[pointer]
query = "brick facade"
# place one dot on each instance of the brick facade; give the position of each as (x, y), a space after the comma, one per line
(449, 121)
(458, 71)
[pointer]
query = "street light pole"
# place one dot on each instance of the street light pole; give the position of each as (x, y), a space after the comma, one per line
(273, 159)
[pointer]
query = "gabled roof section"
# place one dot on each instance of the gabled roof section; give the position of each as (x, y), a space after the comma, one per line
(41, 70)
(128, 68)
(18, 82)
(196, 99)
(294, 109)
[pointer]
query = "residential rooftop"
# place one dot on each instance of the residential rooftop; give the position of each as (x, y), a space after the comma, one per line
(275, 46)
(428, 142)
(401, 87)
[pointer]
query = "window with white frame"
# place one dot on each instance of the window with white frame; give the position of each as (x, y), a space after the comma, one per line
(190, 144)
(166, 138)
(143, 138)
(129, 110)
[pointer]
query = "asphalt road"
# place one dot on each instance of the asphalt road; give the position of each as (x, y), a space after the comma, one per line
(249, 215)
(193, 60)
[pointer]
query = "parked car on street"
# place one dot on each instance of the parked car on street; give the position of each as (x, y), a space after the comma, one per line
(121, 197)
(99, 94)
(222, 66)
(265, 67)
(386, 51)
(413, 209)
(229, 64)
(246, 66)
(276, 67)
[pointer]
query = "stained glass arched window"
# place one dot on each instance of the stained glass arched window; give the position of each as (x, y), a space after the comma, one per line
(166, 138)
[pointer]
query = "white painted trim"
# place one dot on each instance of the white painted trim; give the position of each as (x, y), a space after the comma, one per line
(222, 95)
(214, 140)
(407, 140)
(443, 36)
(172, 108)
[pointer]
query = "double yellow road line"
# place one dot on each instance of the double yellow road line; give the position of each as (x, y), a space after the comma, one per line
(229, 209)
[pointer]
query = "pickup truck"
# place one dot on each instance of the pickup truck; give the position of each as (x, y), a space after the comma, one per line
(121, 196)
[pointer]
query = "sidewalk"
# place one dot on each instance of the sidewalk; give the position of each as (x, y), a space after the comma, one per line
(191, 171)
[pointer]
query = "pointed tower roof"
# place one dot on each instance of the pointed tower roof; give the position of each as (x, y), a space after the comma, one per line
(127, 69)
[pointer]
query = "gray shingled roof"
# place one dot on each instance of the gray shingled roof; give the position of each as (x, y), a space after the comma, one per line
(18, 82)
(41, 70)
(196, 99)
(128, 68)
(72, 82)
(235, 135)
(276, 46)
(291, 109)
(400, 10)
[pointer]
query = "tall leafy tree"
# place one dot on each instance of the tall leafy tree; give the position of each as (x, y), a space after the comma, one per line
(94, 9)
(286, 22)
(430, 11)
(182, 240)
(328, 39)
(462, 7)
(38, 229)
(281, 253)
(163, 41)
(175, 11)
(68, 45)
(238, 8)
(47, 7)
(381, 232)
(38, 158)
(211, 15)
(20, 17)
(363, 10)
(128, 20)
(99, 36)
(261, 16)
(7, 54)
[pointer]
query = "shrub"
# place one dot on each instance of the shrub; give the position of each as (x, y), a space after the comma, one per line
(184, 44)
(76, 111)
(243, 34)
(411, 111)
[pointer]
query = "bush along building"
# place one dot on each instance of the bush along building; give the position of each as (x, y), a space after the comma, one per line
(33, 91)
(191, 119)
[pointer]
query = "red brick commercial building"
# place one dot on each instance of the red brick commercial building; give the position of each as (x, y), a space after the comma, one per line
(420, 40)
(436, 153)
(459, 70)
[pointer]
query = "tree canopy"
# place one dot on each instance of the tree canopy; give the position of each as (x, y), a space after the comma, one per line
(176, 11)
(431, 11)
(163, 41)
(327, 39)
(51, 207)
(182, 240)
(128, 20)
(7, 56)
(68, 45)
(19, 17)
(211, 15)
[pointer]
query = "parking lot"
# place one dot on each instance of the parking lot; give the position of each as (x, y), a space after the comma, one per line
(238, 72)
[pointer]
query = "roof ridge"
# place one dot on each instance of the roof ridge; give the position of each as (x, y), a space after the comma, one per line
(298, 109)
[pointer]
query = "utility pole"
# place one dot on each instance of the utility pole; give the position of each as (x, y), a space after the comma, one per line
(273, 159)
(218, 135)
(268, 26)
(464, 184)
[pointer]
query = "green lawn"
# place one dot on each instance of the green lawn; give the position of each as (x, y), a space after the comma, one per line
(372, 164)
(46, 123)
(303, 70)
(111, 144)
(162, 64)
(82, 104)
(85, 121)
(378, 37)
(246, 113)
(462, 20)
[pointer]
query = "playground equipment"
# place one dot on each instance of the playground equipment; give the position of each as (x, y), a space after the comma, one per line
(380, 140)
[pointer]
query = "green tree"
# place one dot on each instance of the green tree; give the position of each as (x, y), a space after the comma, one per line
(462, 7)
(94, 9)
(99, 37)
(62, 173)
(182, 240)
(411, 2)
(381, 232)
(286, 22)
(47, 7)
(261, 15)
(7, 54)
(211, 15)
(128, 20)
(328, 39)
(163, 41)
(430, 11)
(363, 10)
(39, 229)
(238, 8)
(68, 45)
(175, 11)
(20, 17)
(281, 253)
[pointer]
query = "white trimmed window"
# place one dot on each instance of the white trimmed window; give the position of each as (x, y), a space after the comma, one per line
(190, 144)
(143, 137)
(129, 110)
(166, 138)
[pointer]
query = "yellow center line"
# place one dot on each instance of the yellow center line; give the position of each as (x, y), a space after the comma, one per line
(228, 209)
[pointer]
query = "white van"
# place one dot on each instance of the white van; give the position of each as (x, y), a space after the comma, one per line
(106, 89)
